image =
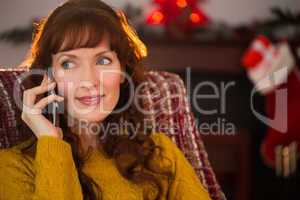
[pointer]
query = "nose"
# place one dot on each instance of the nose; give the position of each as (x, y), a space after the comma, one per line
(89, 78)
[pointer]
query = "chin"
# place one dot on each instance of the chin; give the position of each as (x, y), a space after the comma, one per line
(93, 117)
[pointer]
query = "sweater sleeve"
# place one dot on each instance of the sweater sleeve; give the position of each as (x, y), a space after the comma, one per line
(185, 185)
(51, 175)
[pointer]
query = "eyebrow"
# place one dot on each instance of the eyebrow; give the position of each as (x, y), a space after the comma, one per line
(74, 56)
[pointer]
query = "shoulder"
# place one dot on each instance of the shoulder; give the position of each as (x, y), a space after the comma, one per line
(17, 174)
(162, 138)
(15, 166)
(167, 145)
(8, 155)
(185, 183)
(166, 152)
(13, 159)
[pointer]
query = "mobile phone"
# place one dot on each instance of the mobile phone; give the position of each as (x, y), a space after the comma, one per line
(54, 108)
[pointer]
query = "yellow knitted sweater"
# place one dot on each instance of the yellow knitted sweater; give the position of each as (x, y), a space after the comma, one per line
(52, 174)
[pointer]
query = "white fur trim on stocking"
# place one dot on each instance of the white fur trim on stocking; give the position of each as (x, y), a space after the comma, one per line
(273, 70)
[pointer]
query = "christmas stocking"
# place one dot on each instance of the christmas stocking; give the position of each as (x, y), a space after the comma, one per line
(271, 67)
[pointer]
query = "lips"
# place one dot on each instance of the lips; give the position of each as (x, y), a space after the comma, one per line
(90, 100)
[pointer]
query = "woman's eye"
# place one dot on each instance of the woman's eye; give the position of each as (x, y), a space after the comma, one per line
(104, 61)
(67, 64)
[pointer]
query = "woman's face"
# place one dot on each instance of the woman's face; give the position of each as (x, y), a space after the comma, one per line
(89, 79)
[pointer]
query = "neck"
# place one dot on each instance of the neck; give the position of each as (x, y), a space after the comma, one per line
(87, 135)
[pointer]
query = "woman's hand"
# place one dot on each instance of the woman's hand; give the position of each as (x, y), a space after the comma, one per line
(32, 112)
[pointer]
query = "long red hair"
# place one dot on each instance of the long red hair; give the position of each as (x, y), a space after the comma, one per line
(68, 24)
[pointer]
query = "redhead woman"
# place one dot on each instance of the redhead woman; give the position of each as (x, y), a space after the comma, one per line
(95, 57)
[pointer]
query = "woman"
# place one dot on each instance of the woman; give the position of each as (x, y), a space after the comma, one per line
(96, 58)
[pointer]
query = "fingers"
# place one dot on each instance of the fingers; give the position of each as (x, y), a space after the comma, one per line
(29, 95)
(42, 88)
(45, 79)
(47, 100)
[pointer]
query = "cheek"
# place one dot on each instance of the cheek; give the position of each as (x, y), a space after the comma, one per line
(65, 87)
(111, 82)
